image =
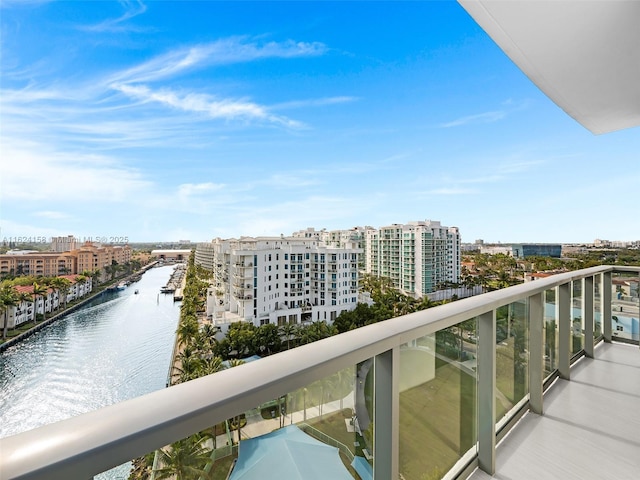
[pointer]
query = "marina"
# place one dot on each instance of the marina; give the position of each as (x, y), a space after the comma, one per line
(176, 282)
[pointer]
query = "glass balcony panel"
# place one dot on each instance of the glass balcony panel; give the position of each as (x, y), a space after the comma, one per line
(207, 454)
(512, 356)
(624, 307)
(597, 308)
(438, 401)
(335, 411)
(577, 317)
(338, 411)
(551, 345)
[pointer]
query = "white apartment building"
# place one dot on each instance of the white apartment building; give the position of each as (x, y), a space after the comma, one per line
(278, 280)
(42, 304)
(335, 238)
(417, 256)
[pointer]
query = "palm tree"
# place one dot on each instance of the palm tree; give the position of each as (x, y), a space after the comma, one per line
(39, 291)
(60, 285)
(184, 459)
(288, 330)
(187, 330)
(190, 364)
(210, 365)
(115, 267)
(95, 276)
(8, 299)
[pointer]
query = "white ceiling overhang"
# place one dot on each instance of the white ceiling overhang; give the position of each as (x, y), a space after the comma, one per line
(584, 55)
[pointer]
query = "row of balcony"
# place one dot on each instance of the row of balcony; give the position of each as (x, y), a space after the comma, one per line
(442, 386)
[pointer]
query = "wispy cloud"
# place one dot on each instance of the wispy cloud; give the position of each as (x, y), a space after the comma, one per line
(291, 180)
(508, 107)
(314, 102)
(193, 189)
(450, 191)
(90, 176)
(51, 215)
(207, 104)
(518, 166)
(221, 52)
(486, 117)
(132, 9)
(288, 216)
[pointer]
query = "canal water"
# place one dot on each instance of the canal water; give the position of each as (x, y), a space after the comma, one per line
(115, 348)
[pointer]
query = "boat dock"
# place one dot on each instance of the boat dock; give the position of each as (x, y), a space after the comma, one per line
(176, 282)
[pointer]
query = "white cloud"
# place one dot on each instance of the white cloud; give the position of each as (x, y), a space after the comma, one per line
(207, 104)
(486, 117)
(451, 191)
(132, 9)
(290, 180)
(51, 214)
(70, 176)
(191, 189)
(220, 52)
(314, 102)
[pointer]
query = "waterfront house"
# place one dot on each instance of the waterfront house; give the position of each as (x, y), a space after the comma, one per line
(26, 310)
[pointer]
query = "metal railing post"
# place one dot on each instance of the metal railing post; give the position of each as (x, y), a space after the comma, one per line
(536, 351)
(386, 415)
(486, 392)
(564, 330)
(587, 307)
(606, 306)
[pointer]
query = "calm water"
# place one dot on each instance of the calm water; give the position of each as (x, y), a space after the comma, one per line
(116, 348)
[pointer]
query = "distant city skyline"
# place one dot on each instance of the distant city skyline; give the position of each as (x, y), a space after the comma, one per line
(159, 121)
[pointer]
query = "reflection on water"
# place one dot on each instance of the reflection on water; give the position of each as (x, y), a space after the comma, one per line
(116, 348)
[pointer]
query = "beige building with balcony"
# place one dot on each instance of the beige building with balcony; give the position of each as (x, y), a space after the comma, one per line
(89, 257)
(47, 264)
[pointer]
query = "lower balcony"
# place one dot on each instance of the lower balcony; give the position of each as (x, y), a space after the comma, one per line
(520, 383)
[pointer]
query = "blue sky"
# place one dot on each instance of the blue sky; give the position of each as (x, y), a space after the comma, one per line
(163, 120)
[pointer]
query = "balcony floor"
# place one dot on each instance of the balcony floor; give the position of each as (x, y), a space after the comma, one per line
(590, 428)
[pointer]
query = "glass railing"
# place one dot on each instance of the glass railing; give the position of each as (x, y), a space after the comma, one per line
(423, 396)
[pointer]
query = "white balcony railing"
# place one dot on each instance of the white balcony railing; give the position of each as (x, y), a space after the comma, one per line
(97, 441)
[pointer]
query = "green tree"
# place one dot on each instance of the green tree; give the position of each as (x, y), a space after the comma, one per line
(241, 338)
(39, 291)
(8, 299)
(184, 459)
(288, 332)
(115, 268)
(267, 339)
(61, 286)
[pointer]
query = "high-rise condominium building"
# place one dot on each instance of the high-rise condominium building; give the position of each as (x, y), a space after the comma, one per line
(279, 279)
(64, 244)
(418, 257)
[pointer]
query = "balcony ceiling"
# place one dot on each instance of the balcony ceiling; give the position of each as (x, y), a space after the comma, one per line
(584, 55)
